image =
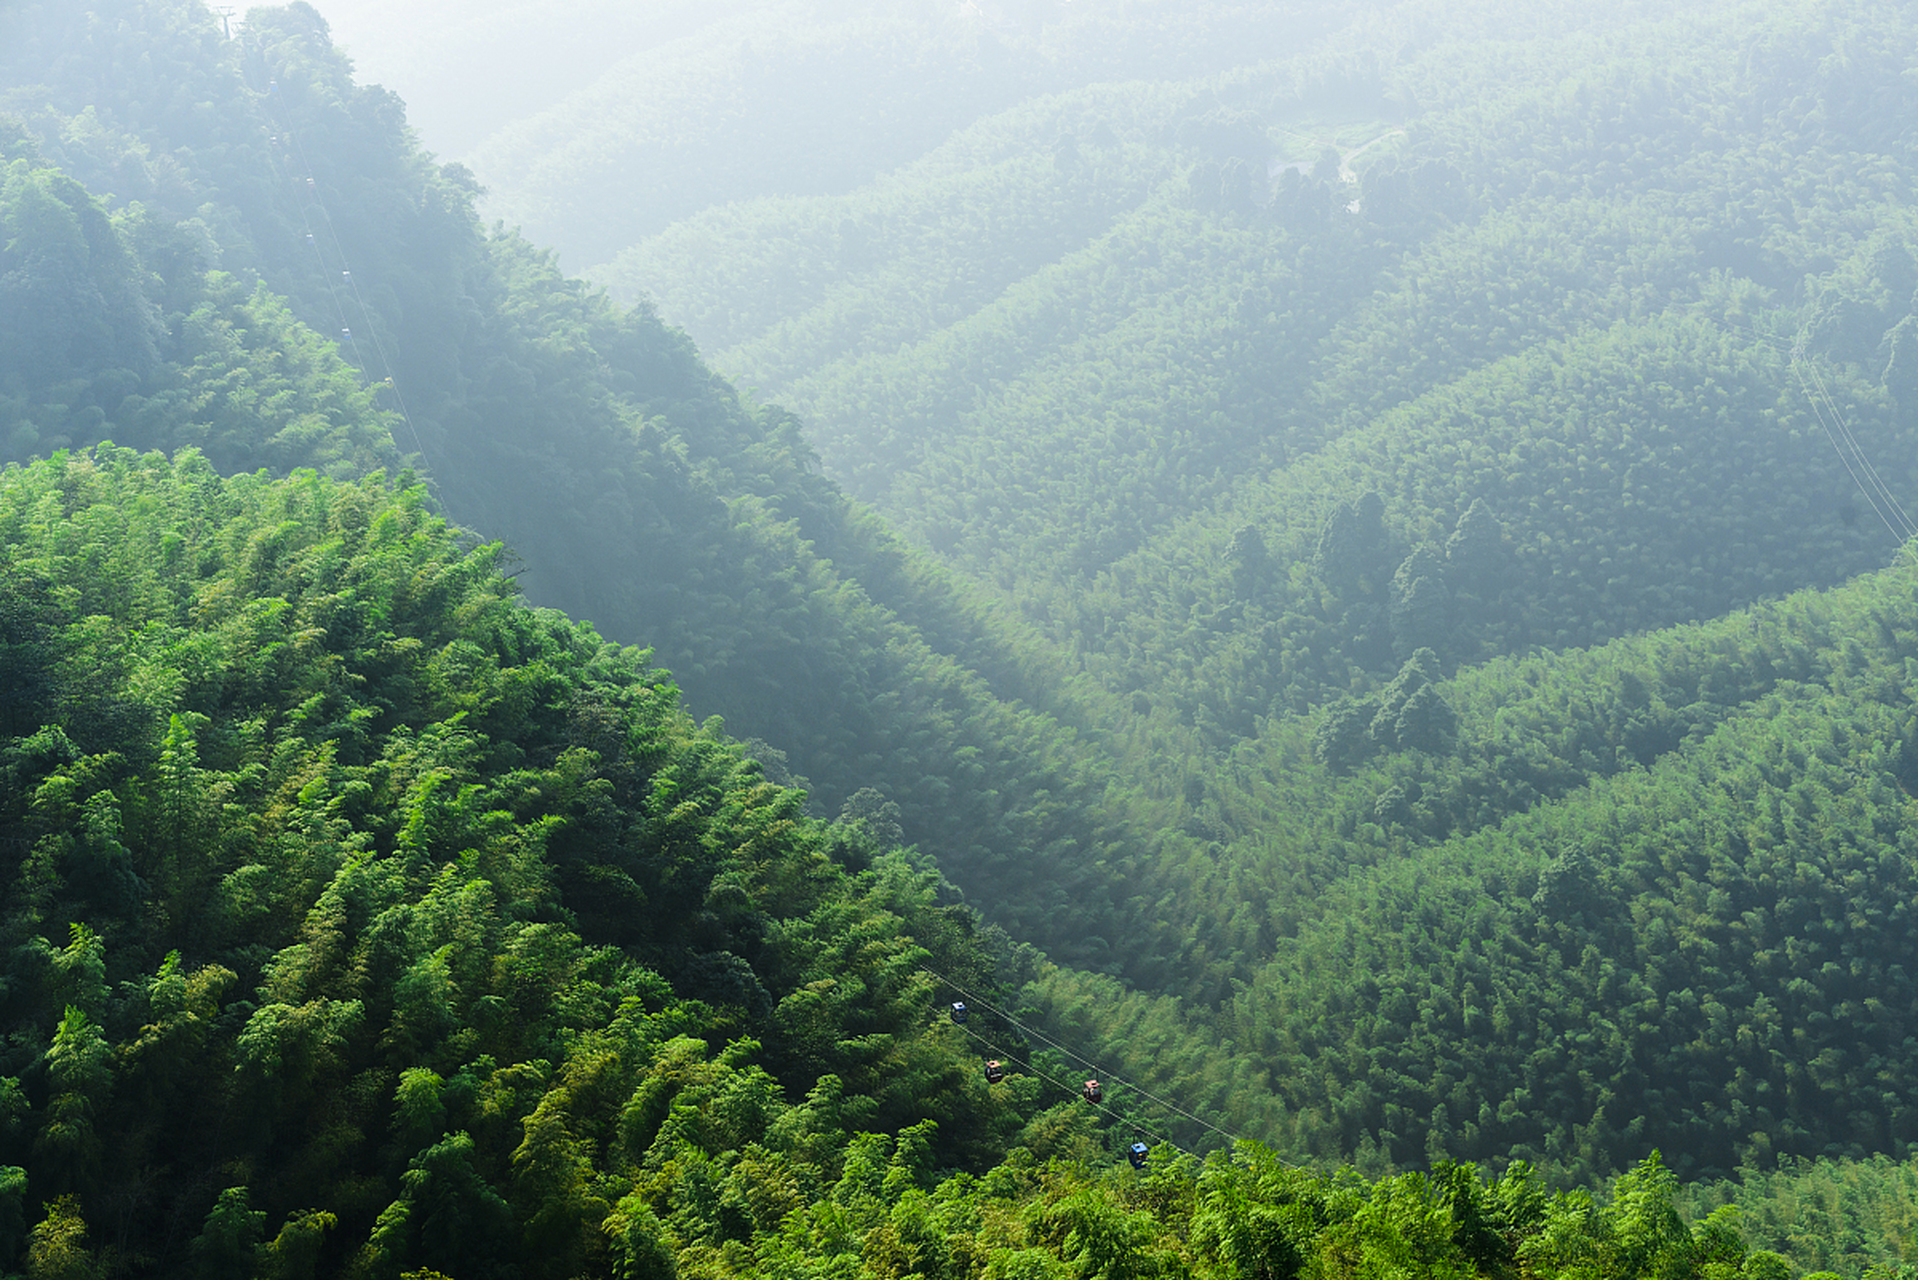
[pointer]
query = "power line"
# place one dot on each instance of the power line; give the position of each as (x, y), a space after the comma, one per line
(1864, 475)
(1831, 421)
(1904, 529)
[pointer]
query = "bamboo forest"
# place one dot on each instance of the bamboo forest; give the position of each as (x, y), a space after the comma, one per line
(978, 639)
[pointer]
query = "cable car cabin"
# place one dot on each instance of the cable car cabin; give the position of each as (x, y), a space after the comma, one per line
(1137, 1153)
(960, 1012)
(1094, 1092)
(995, 1071)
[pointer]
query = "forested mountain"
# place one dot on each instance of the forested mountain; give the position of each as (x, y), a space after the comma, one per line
(1292, 405)
(1332, 495)
(636, 488)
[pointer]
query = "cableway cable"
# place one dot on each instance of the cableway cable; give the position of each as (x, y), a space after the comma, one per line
(1033, 1034)
(1026, 1065)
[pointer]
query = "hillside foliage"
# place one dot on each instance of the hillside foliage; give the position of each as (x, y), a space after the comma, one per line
(368, 922)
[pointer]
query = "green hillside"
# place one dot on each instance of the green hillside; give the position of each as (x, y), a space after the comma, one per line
(1403, 628)
(1659, 886)
(366, 922)
(333, 859)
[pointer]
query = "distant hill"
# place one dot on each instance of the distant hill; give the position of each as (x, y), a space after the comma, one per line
(596, 124)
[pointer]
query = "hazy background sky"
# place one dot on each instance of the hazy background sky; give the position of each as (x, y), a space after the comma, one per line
(468, 67)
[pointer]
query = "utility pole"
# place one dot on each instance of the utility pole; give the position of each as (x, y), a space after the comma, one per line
(226, 22)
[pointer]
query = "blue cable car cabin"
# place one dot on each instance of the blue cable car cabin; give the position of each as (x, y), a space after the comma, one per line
(960, 1012)
(1137, 1153)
